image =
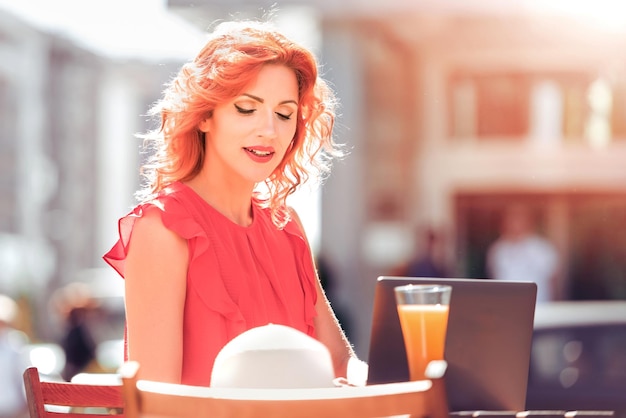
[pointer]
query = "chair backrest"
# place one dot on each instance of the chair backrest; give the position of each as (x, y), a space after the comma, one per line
(71, 400)
(145, 398)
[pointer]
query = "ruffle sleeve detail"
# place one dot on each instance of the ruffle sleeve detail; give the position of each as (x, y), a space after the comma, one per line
(116, 257)
(203, 277)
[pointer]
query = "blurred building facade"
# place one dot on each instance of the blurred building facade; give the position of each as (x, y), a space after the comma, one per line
(68, 161)
(450, 111)
(454, 110)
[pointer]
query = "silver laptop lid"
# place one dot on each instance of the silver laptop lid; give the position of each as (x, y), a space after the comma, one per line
(488, 342)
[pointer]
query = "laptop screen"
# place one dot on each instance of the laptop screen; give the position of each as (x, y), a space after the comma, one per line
(488, 341)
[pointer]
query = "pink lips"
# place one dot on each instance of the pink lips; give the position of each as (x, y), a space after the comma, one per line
(260, 154)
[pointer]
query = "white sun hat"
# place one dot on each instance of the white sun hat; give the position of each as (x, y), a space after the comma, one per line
(273, 356)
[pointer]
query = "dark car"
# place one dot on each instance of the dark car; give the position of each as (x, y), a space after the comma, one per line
(578, 359)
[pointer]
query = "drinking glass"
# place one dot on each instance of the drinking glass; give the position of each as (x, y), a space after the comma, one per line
(423, 312)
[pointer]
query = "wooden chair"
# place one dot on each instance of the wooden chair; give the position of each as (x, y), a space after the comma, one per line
(154, 399)
(71, 400)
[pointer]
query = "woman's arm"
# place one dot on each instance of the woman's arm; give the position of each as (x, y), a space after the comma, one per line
(330, 333)
(155, 280)
(329, 330)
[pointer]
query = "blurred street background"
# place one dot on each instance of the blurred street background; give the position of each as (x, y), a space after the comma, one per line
(452, 112)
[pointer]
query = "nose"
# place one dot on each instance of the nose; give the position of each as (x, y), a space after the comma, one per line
(267, 125)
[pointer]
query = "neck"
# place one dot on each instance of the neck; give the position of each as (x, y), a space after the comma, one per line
(233, 200)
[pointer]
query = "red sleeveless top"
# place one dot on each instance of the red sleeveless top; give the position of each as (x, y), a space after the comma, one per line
(238, 277)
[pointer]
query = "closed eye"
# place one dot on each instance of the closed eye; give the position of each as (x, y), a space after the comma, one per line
(283, 116)
(244, 111)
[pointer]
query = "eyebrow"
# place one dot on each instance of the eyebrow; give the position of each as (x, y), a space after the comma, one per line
(260, 100)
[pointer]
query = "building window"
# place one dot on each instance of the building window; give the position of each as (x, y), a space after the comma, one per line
(547, 108)
(490, 106)
(502, 106)
(618, 111)
(598, 126)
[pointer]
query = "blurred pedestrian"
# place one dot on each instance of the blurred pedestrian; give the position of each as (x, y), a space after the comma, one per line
(77, 343)
(76, 305)
(521, 254)
(429, 260)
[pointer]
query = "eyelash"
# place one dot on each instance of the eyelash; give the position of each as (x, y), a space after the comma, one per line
(250, 111)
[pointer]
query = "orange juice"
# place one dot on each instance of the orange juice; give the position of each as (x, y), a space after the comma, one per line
(424, 330)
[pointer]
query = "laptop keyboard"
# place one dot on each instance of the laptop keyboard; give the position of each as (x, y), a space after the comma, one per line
(532, 414)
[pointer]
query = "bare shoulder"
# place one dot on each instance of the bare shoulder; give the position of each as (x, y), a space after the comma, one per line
(156, 256)
(152, 235)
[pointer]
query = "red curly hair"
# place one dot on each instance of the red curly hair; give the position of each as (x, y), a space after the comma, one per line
(230, 60)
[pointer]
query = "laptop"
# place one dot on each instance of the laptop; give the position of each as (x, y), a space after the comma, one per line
(488, 342)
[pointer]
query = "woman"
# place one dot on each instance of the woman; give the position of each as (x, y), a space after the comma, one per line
(212, 249)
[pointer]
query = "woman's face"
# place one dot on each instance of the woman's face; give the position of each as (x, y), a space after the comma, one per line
(248, 136)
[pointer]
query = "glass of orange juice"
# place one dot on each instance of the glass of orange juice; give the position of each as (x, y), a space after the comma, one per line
(423, 312)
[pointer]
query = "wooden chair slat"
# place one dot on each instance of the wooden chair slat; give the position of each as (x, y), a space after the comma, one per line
(81, 395)
(92, 400)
